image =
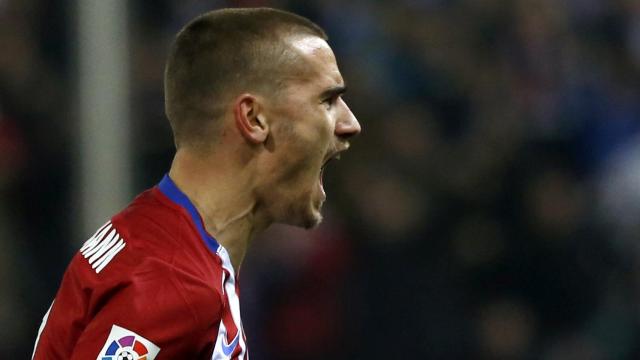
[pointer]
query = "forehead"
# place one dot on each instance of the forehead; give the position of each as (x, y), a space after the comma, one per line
(317, 60)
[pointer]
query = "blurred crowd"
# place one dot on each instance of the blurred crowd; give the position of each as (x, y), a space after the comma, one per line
(490, 209)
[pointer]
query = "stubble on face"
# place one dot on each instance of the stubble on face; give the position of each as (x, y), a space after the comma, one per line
(301, 135)
(296, 175)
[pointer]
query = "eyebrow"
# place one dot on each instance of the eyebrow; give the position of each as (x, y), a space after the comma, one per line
(333, 91)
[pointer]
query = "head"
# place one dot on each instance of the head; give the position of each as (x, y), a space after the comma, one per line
(268, 80)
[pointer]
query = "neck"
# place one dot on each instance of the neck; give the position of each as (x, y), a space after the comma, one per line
(223, 195)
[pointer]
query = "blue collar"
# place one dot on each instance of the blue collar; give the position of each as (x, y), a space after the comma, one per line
(169, 188)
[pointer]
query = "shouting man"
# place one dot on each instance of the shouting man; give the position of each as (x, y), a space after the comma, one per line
(253, 97)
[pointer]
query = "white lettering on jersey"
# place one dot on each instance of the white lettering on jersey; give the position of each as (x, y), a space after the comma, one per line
(125, 344)
(102, 247)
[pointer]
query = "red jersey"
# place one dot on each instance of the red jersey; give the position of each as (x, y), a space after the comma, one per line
(149, 284)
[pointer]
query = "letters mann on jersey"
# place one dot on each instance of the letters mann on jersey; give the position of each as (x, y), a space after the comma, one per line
(253, 138)
(150, 275)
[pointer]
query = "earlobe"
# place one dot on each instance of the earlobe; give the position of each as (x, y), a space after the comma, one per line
(251, 124)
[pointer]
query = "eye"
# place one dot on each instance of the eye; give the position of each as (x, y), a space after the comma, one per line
(330, 101)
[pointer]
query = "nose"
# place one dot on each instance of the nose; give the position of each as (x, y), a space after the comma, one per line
(347, 126)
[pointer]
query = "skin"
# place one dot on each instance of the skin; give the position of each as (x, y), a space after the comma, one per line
(266, 164)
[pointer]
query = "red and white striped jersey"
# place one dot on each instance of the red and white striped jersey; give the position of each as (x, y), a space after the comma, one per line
(149, 284)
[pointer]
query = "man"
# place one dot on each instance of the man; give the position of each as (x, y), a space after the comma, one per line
(253, 97)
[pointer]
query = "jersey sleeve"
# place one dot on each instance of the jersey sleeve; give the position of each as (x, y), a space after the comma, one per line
(147, 305)
(153, 306)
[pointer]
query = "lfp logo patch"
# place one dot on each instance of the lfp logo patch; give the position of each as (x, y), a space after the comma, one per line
(123, 344)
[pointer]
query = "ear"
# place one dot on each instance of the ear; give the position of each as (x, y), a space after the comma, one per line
(249, 120)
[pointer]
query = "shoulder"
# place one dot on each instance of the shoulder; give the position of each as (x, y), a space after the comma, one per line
(141, 270)
(150, 222)
(148, 242)
(145, 228)
(149, 227)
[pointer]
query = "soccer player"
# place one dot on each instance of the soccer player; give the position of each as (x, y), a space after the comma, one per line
(253, 97)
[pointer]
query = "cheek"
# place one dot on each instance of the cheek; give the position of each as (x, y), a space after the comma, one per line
(300, 141)
(293, 154)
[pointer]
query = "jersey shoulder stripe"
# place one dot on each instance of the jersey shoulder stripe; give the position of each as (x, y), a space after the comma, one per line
(102, 247)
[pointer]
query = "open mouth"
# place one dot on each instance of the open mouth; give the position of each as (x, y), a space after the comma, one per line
(335, 156)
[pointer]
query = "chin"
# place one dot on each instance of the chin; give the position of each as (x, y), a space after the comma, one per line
(313, 222)
(315, 216)
(305, 214)
(307, 219)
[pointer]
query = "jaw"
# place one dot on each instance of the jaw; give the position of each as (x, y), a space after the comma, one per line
(284, 205)
(306, 211)
(291, 187)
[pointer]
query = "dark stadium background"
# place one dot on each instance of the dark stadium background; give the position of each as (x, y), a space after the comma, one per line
(490, 209)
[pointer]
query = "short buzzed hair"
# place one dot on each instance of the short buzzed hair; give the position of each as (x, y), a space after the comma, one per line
(220, 54)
